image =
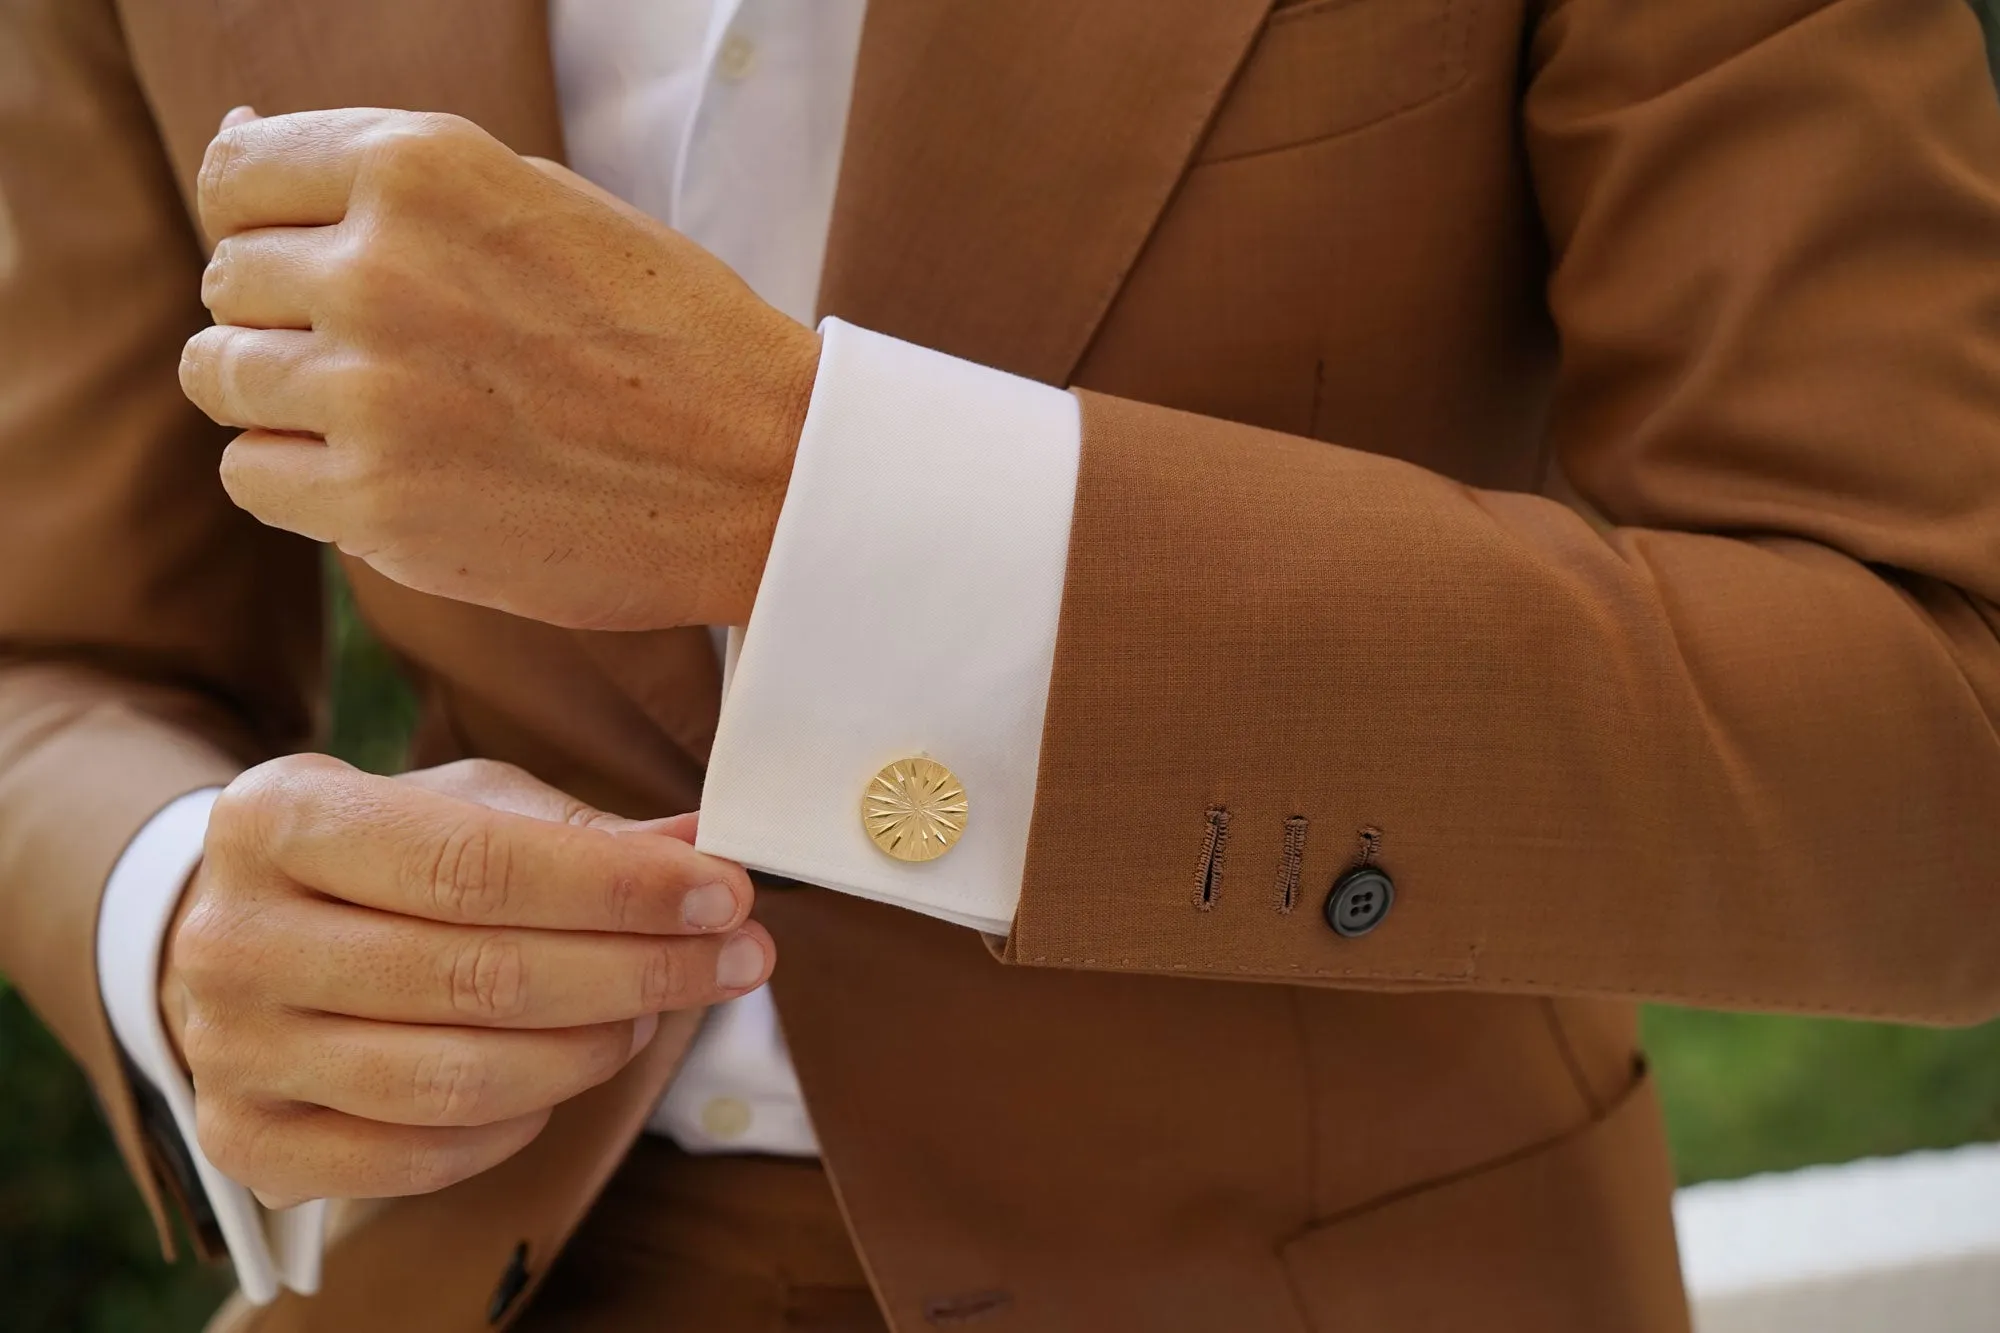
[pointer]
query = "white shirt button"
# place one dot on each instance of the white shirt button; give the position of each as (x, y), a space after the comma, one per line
(738, 53)
(726, 1118)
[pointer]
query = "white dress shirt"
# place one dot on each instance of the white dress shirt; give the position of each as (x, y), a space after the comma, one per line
(882, 629)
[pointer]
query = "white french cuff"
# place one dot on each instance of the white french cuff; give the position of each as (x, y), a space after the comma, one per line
(908, 609)
(268, 1247)
(737, 1091)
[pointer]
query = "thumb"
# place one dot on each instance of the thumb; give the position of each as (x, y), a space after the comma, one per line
(681, 827)
(240, 115)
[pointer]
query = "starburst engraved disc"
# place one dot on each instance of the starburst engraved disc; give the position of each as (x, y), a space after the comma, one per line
(914, 809)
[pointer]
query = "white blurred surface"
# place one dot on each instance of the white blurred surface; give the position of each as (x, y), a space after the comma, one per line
(1893, 1245)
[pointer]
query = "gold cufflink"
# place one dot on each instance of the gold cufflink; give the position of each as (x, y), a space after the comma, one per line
(914, 809)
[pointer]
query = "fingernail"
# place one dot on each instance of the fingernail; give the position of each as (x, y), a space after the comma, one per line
(709, 906)
(741, 963)
(238, 116)
(643, 1029)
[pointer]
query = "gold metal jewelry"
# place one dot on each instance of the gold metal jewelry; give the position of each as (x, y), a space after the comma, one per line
(914, 809)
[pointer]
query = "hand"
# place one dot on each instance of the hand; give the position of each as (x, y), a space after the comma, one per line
(381, 986)
(487, 378)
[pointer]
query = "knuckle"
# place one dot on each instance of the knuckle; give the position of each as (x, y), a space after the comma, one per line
(476, 774)
(405, 152)
(366, 280)
(217, 167)
(198, 373)
(430, 1165)
(480, 781)
(228, 1134)
(221, 268)
(453, 126)
(663, 980)
(609, 1050)
(467, 878)
(285, 780)
(269, 806)
(209, 949)
(621, 901)
(228, 367)
(201, 958)
(208, 1048)
(238, 477)
(439, 130)
(389, 152)
(489, 979)
(234, 812)
(245, 800)
(450, 1086)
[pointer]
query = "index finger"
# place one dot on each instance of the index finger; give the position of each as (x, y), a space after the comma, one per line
(296, 170)
(398, 848)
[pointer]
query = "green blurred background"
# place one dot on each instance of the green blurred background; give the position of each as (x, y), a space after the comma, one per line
(1743, 1093)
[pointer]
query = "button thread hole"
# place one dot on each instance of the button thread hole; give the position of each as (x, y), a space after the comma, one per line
(1208, 871)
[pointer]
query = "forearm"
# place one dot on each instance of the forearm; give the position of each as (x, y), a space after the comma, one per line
(1640, 762)
(1732, 772)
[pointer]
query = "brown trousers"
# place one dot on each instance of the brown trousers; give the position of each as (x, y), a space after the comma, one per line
(709, 1245)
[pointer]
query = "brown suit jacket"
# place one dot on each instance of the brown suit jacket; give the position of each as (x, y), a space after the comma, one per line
(1347, 290)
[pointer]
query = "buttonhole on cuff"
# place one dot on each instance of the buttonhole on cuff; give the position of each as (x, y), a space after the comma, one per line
(1208, 872)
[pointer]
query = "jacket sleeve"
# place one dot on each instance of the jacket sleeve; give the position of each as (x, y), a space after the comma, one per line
(1734, 746)
(153, 640)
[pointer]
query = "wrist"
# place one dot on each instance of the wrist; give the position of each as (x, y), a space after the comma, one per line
(793, 367)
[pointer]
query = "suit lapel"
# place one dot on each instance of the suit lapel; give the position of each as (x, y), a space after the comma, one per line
(1006, 160)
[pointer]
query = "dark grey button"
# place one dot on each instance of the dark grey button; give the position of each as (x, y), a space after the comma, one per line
(1359, 900)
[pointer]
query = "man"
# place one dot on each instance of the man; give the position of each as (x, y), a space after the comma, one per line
(1325, 793)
